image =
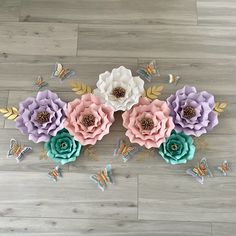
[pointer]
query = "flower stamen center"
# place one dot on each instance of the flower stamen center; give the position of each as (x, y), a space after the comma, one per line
(118, 92)
(63, 145)
(189, 112)
(42, 117)
(147, 124)
(174, 147)
(88, 120)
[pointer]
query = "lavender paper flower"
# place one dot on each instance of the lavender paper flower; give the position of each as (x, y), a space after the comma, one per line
(192, 111)
(41, 117)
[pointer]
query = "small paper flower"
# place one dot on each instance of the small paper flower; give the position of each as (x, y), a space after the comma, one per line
(62, 148)
(177, 149)
(41, 117)
(119, 89)
(88, 120)
(148, 123)
(192, 111)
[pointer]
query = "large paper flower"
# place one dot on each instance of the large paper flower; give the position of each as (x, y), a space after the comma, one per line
(119, 89)
(177, 149)
(192, 111)
(41, 117)
(148, 123)
(62, 148)
(88, 120)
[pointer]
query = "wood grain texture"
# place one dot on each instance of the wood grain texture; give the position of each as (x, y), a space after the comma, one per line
(38, 38)
(182, 198)
(157, 40)
(33, 194)
(9, 10)
(110, 12)
(149, 197)
(223, 229)
(216, 12)
(98, 227)
(3, 104)
(20, 72)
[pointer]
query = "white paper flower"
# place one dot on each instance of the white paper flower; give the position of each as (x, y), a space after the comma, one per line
(119, 89)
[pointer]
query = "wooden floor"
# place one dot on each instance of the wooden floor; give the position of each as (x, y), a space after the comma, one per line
(193, 38)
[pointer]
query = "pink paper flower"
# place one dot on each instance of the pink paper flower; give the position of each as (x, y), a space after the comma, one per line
(88, 120)
(148, 123)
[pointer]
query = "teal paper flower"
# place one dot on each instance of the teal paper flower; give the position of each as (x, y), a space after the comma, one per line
(63, 148)
(177, 149)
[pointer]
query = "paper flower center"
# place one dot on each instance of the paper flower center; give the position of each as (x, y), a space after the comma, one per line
(88, 120)
(147, 124)
(42, 117)
(63, 145)
(174, 147)
(189, 112)
(118, 92)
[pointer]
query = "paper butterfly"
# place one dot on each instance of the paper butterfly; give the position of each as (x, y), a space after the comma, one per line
(149, 71)
(224, 167)
(200, 171)
(173, 79)
(55, 173)
(61, 73)
(103, 178)
(126, 151)
(17, 151)
(40, 83)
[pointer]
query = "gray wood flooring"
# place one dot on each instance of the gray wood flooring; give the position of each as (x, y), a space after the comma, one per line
(193, 38)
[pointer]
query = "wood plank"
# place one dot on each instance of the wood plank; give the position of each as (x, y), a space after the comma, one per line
(31, 194)
(168, 41)
(38, 38)
(223, 229)
(168, 197)
(9, 10)
(3, 104)
(20, 72)
(216, 12)
(75, 227)
(105, 11)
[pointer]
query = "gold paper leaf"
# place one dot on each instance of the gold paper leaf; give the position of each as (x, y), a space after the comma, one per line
(43, 155)
(80, 88)
(153, 92)
(219, 107)
(11, 113)
(146, 154)
(200, 143)
(90, 153)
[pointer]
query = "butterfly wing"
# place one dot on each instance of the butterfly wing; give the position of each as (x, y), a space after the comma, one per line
(117, 147)
(131, 153)
(10, 153)
(204, 163)
(68, 73)
(108, 171)
(98, 182)
(22, 153)
(149, 72)
(200, 179)
(154, 68)
(57, 70)
(144, 75)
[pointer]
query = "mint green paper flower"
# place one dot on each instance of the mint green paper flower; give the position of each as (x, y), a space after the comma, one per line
(63, 148)
(177, 149)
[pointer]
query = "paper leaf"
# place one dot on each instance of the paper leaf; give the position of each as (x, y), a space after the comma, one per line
(80, 88)
(219, 107)
(10, 113)
(153, 92)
